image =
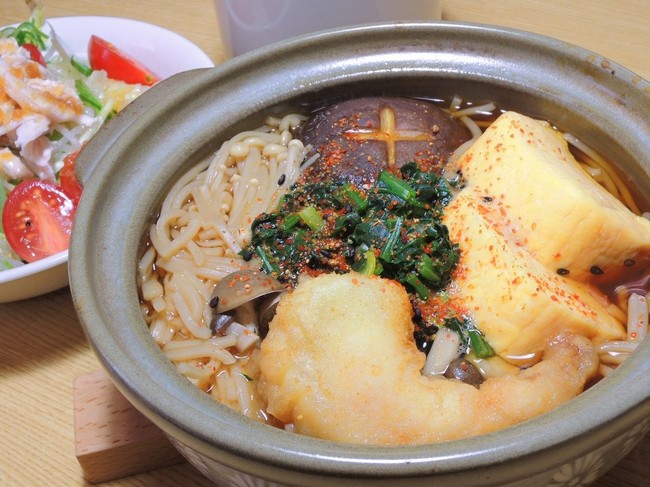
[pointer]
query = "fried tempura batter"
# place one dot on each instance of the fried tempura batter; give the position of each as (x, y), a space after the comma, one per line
(340, 363)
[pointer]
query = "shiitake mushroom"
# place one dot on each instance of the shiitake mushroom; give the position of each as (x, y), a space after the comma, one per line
(245, 291)
(356, 139)
(464, 371)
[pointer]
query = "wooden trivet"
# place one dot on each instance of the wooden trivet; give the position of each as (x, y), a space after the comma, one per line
(112, 438)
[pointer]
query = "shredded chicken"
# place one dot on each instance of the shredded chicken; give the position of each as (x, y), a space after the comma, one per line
(31, 102)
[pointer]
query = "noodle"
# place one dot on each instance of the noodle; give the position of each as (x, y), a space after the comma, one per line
(202, 226)
(611, 180)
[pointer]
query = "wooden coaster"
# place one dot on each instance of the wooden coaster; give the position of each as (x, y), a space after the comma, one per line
(112, 438)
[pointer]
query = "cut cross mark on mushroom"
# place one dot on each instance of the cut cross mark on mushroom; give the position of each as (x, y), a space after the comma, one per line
(388, 133)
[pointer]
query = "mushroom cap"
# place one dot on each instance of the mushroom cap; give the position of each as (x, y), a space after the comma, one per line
(242, 286)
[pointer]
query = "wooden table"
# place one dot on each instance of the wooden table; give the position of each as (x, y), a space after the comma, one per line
(43, 348)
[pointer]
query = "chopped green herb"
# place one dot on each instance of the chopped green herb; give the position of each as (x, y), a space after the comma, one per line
(472, 340)
(420, 288)
(87, 96)
(349, 195)
(396, 187)
(479, 345)
(269, 267)
(81, 67)
(26, 33)
(397, 221)
(312, 218)
(392, 241)
(367, 265)
(54, 136)
(291, 221)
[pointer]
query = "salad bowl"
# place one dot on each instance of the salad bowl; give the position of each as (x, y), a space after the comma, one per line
(164, 52)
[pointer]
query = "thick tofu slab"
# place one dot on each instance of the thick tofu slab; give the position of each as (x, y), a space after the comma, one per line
(516, 301)
(551, 206)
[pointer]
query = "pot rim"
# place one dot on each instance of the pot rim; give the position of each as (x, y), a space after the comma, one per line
(104, 289)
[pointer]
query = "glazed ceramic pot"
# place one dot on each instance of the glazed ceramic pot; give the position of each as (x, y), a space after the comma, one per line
(131, 164)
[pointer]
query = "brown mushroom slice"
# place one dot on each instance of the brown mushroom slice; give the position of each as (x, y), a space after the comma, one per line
(465, 371)
(358, 138)
(266, 312)
(242, 286)
(245, 296)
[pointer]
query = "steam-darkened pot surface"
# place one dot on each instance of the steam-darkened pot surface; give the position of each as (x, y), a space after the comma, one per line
(129, 166)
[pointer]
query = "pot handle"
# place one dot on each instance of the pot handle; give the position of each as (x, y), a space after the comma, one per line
(94, 151)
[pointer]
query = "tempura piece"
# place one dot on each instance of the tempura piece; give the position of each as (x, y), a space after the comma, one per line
(340, 363)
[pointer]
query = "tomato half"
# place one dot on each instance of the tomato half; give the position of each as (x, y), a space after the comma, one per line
(37, 219)
(34, 53)
(117, 64)
(69, 182)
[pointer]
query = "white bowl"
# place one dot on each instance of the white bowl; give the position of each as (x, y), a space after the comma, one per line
(165, 53)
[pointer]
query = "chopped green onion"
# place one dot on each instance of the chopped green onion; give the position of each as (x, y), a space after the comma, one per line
(270, 267)
(426, 269)
(312, 218)
(480, 347)
(349, 193)
(396, 186)
(81, 67)
(26, 33)
(54, 135)
(87, 96)
(291, 221)
(367, 265)
(3, 195)
(419, 286)
(391, 241)
(3, 198)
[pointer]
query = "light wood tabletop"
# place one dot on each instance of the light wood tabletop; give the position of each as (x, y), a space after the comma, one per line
(43, 348)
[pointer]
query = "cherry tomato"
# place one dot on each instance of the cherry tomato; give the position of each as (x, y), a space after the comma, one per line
(69, 183)
(37, 219)
(117, 64)
(34, 53)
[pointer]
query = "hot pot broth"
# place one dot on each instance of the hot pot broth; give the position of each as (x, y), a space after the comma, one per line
(203, 234)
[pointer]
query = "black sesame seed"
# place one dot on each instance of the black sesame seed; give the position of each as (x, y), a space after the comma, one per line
(487, 199)
(214, 302)
(563, 272)
(282, 179)
(596, 270)
(421, 341)
(629, 262)
(417, 315)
